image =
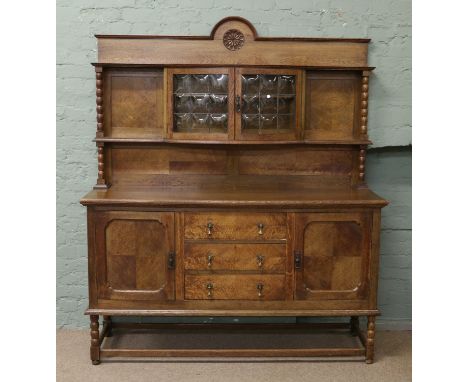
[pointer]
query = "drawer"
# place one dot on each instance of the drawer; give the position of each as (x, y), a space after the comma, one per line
(235, 287)
(235, 226)
(238, 257)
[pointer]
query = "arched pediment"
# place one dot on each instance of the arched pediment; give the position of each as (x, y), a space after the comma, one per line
(233, 41)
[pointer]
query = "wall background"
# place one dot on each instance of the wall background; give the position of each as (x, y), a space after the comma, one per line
(386, 22)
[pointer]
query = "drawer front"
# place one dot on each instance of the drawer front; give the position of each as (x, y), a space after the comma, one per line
(235, 287)
(235, 226)
(239, 257)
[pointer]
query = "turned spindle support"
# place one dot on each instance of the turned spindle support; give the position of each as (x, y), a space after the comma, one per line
(99, 103)
(364, 103)
(101, 179)
(370, 339)
(95, 347)
(362, 166)
(363, 126)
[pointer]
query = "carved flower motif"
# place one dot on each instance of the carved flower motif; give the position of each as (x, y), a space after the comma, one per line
(233, 39)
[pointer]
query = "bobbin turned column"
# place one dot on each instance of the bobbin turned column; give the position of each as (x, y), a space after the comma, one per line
(363, 127)
(94, 349)
(99, 103)
(364, 103)
(362, 165)
(101, 180)
(370, 339)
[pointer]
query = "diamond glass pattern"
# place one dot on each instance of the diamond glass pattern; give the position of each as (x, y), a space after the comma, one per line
(200, 103)
(268, 102)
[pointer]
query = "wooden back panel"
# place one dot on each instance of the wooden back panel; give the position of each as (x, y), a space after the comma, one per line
(141, 164)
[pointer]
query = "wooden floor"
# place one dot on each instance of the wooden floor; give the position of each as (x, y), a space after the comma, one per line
(392, 363)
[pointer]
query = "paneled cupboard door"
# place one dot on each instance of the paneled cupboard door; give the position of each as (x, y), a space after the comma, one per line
(200, 103)
(135, 259)
(332, 255)
(268, 104)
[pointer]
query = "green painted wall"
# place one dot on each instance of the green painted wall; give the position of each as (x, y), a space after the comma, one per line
(389, 175)
(388, 23)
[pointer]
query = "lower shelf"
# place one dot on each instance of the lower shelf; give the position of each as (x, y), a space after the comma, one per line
(230, 340)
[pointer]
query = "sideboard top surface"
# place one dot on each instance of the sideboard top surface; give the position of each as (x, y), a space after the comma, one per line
(186, 198)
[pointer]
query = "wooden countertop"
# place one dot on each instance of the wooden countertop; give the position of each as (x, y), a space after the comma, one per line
(226, 198)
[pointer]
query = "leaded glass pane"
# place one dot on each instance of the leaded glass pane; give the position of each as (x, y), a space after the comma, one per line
(268, 102)
(201, 103)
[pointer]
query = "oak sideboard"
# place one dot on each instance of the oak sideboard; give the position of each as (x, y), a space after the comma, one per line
(231, 182)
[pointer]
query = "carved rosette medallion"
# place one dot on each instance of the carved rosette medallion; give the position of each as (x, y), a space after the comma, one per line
(233, 39)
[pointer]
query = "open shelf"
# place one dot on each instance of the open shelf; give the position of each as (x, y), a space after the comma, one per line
(227, 340)
(253, 142)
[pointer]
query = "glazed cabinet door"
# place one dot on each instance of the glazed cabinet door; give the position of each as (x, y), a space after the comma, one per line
(332, 255)
(200, 103)
(268, 104)
(134, 255)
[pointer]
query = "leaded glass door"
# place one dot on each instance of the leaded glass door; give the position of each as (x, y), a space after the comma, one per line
(268, 104)
(201, 103)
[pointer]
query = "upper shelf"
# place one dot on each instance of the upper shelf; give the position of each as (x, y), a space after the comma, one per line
(213, 142)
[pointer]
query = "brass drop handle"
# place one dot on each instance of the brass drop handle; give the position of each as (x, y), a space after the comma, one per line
(260, 289)
(210, 260)
(260, 260)
(210, 227)
(260, 228)
(171, 260)
(210, 287)
(297, 260)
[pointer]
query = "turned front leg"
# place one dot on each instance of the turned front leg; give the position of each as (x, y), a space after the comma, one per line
(370, 339)
(94, 349)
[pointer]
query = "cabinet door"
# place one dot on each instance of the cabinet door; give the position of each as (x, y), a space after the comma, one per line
(133, 251)
(200, 103)
(268, 104)
(133, 103)
(332, 255)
